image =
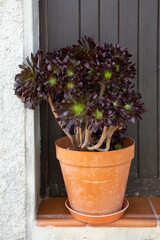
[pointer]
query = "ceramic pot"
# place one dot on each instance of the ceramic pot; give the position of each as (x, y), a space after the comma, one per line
(95, 181)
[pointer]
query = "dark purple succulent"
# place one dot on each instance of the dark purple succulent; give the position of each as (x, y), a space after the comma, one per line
(87, 85)
(25, 85)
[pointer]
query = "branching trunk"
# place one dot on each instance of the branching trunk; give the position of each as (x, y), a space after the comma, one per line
(86, 135)
(80, 136)
(108, 142)
(106, 134)
(90, 135)
(86, 138)
(102, 91)
(76, 132)
(56, 115)
(101, 140)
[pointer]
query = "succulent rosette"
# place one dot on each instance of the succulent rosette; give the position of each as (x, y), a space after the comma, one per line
(25, 85)
(61, 74)
(88, 85)
(72, 111)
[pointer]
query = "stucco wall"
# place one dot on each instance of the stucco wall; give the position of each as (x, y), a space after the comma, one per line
(12, 122)
(96, 233)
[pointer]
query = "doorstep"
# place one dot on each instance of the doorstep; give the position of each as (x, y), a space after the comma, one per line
(142, 212)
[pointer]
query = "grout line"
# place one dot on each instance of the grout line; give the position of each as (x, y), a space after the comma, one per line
(154, 211)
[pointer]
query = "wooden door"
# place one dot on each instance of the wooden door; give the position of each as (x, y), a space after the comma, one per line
(134, 23)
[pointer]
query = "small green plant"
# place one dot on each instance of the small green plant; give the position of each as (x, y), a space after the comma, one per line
(87, 85)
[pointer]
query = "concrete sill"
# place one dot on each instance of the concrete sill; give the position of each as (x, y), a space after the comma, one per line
(142, 212)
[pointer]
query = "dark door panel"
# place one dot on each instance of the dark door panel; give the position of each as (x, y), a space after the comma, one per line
(134, 23)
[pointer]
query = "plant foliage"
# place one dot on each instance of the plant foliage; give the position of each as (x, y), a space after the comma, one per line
(88, 85)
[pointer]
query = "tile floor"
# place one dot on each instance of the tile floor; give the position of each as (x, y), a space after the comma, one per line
(142, 212)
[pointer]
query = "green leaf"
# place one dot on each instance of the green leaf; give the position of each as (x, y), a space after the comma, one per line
(118, 146)
(117, 68)
(127, 107)
(115, 104)
(98, 114)
(53, 81)
(107, 74)
(78, 109)
(91, 69)
(70, 85)
(70, 73)
(55, 70)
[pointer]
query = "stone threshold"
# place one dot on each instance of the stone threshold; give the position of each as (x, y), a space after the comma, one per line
(142, 212)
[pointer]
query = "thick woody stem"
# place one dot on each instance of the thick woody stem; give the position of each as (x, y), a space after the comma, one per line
(102, 91)
(101, 140)
(56, 115)
(80, 136)
(90, 135)
(86, 139)
(104, 133)
(77, 134)
(108, 142)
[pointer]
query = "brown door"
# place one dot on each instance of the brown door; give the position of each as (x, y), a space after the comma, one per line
(134, 23)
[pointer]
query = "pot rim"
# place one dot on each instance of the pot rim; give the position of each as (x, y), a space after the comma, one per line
(94, 159)
(88, 152)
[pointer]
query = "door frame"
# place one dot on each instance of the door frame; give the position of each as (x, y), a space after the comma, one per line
(30, 9)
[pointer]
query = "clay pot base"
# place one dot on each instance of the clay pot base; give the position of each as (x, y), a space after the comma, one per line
(98, 219)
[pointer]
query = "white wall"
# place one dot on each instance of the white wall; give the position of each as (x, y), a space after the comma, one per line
(12, 124)
(96, 233)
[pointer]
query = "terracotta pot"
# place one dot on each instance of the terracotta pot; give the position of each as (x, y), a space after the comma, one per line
(95, 181)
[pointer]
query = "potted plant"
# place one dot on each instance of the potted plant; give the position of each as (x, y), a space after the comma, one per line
(88, 86)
